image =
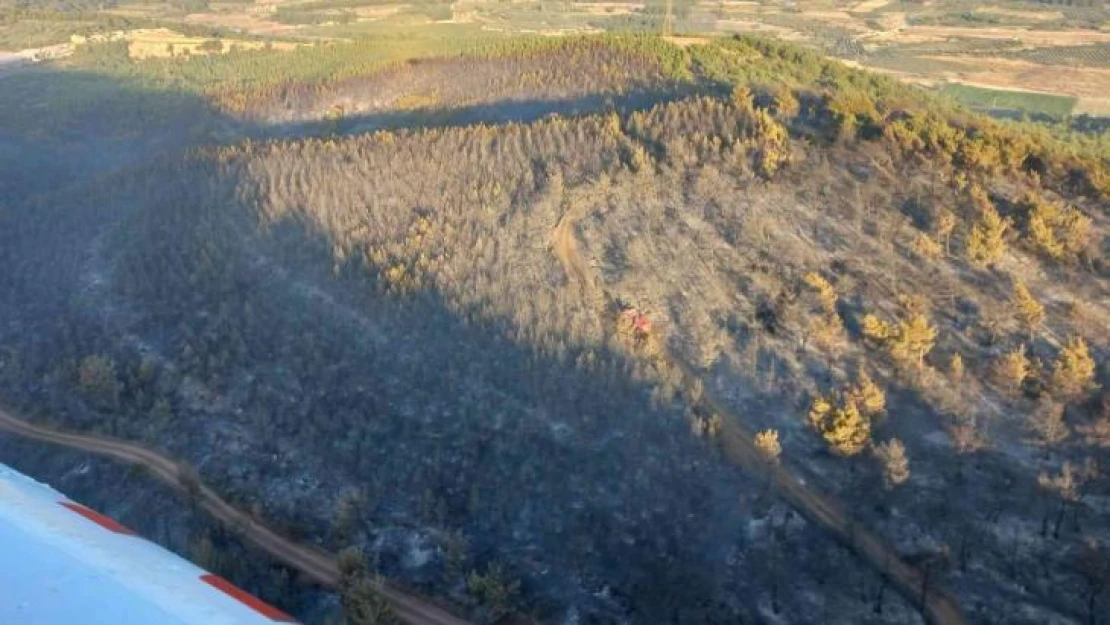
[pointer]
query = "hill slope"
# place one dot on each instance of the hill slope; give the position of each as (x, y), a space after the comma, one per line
(488, 348)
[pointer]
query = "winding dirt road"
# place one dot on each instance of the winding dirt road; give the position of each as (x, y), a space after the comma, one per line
(315, 564)
(738, 442)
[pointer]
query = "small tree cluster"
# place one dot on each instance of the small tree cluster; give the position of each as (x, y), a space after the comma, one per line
(827, 328)
(1074, 371)
(493, 591)
(358, 592)
(774, 148)
(1067, 486)
(925, 246)
(1046, 424)
(986, 243)
(908, 341)
(845, 421)
(845, 429)
(1057, 232)
(867, 395)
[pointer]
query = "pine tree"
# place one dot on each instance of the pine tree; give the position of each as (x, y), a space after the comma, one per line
(944, 226)
(987, 243)
(1029, 311)
(956, 368)
(895, 464)
(914, 340)
(1012, 368)
(847, 431)
(827, 328)
(876, 329)
(767, 442)
(1074, 372)
(1048, 427)
(867, 396)
(819, 411)
(362, 602)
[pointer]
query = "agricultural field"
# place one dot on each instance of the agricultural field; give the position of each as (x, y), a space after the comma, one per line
(916, 42)
(999, 99)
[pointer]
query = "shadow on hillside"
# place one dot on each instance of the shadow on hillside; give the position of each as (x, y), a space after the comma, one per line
(508, 111)
(574, 479)
(60, 128)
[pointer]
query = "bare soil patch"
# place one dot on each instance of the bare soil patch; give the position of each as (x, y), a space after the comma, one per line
(163, 42)
(1029, 37)
(1017, 75)
(607, 8)
(870, 5)
(684, 42)
(747, 26)
(252, 23)
(1037, 16)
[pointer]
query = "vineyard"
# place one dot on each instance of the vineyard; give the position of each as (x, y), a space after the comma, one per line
(1097, 55)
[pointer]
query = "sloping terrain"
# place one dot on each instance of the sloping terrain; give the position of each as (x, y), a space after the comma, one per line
(518, 351)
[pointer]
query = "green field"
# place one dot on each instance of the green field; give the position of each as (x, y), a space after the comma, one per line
(1002, 100)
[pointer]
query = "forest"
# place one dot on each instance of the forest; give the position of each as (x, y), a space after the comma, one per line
(498, 324)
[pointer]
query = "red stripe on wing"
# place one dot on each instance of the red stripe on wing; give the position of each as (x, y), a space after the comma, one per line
(246, 598)
(109, 524)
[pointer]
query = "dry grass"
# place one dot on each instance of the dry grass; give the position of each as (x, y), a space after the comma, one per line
(1047, 38)
(1093, 106)
(684, 42)
(608, 8)
(749, 26)
(253, 23)
(1017, 75)
(1034, 16)
(870, 5)
(163, 42)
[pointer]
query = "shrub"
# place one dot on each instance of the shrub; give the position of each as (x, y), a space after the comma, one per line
(956, 368)
(913, 340)
(876, 329)
(986, 243)
(1048, 426)
(1029, 311)
(767, 442)
(1074, 371)
(927, 247)
(1060, 233)
(493, 591)
(867, 395)
(98, 381)
(895, 464)
(845, 429)
(1011, 369)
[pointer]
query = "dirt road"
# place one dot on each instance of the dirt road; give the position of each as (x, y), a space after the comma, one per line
(738, 441)
(317, 565)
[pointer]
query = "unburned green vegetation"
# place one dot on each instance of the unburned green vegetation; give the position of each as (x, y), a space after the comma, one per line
(1021, 101)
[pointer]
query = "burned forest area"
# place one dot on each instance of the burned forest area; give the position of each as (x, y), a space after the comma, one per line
(593, 329)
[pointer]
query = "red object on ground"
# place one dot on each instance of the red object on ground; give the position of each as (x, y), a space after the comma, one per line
(109, 524)
(246, 598)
